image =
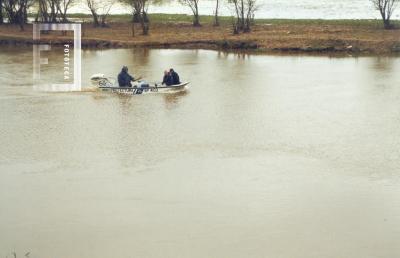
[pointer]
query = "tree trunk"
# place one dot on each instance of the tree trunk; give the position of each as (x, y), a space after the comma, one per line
(242, 16)
(247, 27)
(136, 17)
(236, 23)
(25, 14)
(53, 13)
(145, 27)
(1, 12)
(386, 24)
(42, 14)
(216, 20)
(20, 17)
(385, 14)
(386, 21)
(64, 16)
(95, 18)
(196, 18)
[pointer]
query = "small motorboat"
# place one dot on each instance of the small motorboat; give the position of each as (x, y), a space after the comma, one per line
(139, 86)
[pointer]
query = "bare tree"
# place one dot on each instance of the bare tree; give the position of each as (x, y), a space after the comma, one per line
(237, 21)
(251, 8)
(139, 14)
(62, 8)
(105, 11)
(47, 11)
(42, 14)
(91, 4)
(100, 10)
(16, 11)
(52, 10)
(244, 11)
(386, 9)
(194, 6)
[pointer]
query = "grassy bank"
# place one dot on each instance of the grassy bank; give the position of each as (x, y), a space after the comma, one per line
(175, 31)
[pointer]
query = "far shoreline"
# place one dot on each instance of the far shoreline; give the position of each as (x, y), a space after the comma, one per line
(267, 35)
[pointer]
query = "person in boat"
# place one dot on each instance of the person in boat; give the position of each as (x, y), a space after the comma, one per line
(167, 80)
(175, 77)
(124, 78)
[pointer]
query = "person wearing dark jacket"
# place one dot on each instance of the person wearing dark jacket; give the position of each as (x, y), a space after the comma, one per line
(124, 78)
(167, 80)
(175, 77)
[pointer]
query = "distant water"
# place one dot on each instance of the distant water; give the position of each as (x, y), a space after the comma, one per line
(296, 9)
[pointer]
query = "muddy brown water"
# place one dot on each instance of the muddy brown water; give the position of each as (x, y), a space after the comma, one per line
(263, 156)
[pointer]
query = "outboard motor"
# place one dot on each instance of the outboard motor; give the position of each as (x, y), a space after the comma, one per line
(99, 80)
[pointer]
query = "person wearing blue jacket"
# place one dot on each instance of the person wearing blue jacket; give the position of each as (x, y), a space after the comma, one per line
(167, 80)
(124, 78)
(175, 77)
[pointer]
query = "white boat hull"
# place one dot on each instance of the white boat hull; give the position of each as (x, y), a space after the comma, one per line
(135, 90)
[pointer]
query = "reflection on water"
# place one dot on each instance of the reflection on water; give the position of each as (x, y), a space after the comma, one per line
(383, 64)
(172, 99)
(263, 156)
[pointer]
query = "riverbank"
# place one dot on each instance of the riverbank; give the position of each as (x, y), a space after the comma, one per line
(176, 31)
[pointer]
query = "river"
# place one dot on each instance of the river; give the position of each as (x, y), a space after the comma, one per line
(263, 156)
